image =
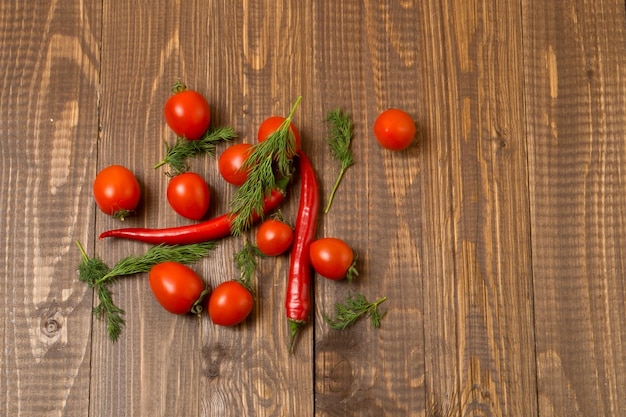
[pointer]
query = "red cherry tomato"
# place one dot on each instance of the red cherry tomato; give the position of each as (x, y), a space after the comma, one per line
(230, 162)
(271, 125)
(188, 114)
(189, 195)
(230, 303)
(394, 129)
(332, 258)
(116, 191)
(175, 286)
(274, 237)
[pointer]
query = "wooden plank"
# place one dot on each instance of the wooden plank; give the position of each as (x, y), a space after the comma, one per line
(366, 61)
(520, 110)
(575, 81)
(259, 63)
(478, 327)
(49, 63)
(247, 75)
(155, 367)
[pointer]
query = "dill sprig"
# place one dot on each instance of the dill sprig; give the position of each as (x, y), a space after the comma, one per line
(354, 307)
(97, 275)
(268, 164)
(340, 135)
(107, 310)
(246, 260)
(184, 254)
(176, 155)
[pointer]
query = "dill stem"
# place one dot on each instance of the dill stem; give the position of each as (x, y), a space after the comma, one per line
(293, 109)
(379, 301)
(82, 250)
(344, 168)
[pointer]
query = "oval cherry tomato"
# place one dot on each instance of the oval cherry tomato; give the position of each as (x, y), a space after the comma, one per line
(332, 258)
(230, 303)
(274, 237)
(394, 129)
(188, 114)
(271, 125)
(230, 162)
(189, 196)
(176, 287)
(116, 191)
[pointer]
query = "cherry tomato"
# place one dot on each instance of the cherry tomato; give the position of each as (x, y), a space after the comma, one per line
(176, 287)
(116, 191)
(189, 195)
(394, 129)
(274, 237)
(332, 258)
(271, 125)
(230, 162)
(230, 303)
(188, 114)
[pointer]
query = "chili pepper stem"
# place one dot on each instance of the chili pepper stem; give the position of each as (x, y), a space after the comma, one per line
(294, 331)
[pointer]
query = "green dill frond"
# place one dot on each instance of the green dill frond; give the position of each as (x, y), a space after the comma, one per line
(246, 260)
(340, 132)
(354, 307)
(176, 155)
(268, 165)
(98, 276)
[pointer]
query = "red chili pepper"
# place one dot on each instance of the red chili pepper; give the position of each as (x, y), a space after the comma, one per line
(298, 302)
(216, 228)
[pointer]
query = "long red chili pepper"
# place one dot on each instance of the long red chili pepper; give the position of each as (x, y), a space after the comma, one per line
(216, 228)
(298, 300)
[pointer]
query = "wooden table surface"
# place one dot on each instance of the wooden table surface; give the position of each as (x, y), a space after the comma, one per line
(499, 236)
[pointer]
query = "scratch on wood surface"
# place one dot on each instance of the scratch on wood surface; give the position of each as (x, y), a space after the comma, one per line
(553, 77)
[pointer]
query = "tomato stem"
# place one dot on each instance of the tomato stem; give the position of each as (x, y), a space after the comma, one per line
(122, 214)
(196, 308)
(178, 86)
(353, 272)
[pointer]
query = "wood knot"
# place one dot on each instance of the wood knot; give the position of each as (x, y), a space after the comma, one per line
(335, 377)
(589, 71)
(214, 355)
(52, 326)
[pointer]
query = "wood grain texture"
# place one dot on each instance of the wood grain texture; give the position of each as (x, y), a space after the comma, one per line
(574, 76)
(259, 67)
(476, 186)
(155, 367)
(367, 62)
(498, 237)
(48, 122)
